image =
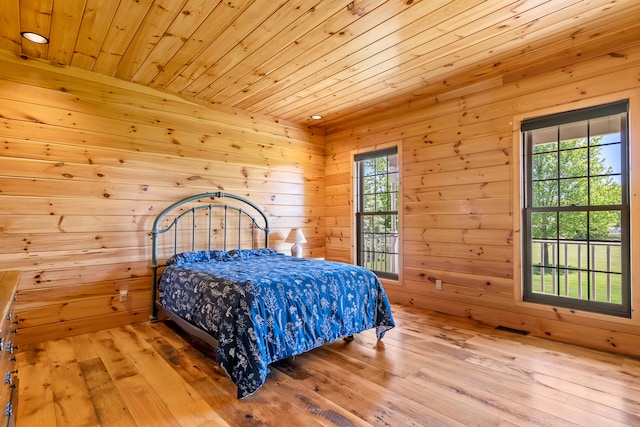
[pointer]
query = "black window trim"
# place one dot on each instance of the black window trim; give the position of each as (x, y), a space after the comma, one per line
(383, 152)
(620, 310)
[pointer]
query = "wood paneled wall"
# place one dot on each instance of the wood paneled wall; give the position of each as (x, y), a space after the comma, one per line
(87, 162)
(459, 191)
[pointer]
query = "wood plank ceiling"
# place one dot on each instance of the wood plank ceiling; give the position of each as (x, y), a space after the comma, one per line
(342, 59)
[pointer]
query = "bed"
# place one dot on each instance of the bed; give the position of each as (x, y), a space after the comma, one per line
(221, 282)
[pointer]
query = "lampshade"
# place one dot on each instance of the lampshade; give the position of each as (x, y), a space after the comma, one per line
(295, 236)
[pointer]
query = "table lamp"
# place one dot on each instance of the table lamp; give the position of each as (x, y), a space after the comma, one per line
(295, 236)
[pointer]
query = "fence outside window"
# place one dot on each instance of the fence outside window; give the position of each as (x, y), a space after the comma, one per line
(578, 269)
(380, 252)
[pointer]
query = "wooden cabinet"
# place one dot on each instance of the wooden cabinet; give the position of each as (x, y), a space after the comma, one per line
(8, 328)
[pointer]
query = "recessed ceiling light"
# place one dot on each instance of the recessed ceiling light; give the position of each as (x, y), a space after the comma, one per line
(316, 117)
(34, 37)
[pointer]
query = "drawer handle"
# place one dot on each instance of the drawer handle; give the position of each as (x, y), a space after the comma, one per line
(8, 409)
(8, 377)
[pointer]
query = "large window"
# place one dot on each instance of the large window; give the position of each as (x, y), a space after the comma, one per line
(376, 208)
(576, 210)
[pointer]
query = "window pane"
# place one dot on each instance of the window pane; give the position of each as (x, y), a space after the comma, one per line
(573, 135)
(605, 159)
(378, 227)
(369, 183)
(542, 280)
(573, 225)
(544, 225)
(547, 255)
(379, 183)
(605, 225)
(545, 166)
(604, 130)
(369, 167)
(545, 139)
(545, 193)
(368, 224)
(606, 257)
(565, 256)
(605, 190)
(600, 287)
(574, 192)
(369, 204)
(574, 163)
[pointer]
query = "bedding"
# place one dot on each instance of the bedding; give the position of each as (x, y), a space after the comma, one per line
(262, 306)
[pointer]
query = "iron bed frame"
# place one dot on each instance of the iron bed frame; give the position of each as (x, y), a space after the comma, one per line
(177, 213)
(170, 219)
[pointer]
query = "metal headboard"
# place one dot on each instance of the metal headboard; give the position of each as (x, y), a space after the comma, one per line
(176, 216)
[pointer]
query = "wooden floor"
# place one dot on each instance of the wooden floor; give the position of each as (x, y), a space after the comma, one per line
(432, 370)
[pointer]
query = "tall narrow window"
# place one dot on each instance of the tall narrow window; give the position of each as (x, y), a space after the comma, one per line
(376, 176)
(576, 210)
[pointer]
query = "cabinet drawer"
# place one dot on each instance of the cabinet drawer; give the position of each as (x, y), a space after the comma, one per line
(8, 373)
(9, 407)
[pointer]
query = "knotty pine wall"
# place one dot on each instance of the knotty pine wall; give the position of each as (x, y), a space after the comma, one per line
(460, 201)
(87, 162)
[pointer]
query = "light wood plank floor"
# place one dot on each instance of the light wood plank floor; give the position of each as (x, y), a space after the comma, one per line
(432, 370)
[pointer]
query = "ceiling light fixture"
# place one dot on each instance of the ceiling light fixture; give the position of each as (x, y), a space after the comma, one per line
(316, 117)
(34, 37)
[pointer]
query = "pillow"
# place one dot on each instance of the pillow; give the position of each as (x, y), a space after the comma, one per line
(252, 253)
(198, 256)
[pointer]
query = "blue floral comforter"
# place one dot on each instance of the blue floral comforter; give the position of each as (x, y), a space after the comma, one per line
(262, 306)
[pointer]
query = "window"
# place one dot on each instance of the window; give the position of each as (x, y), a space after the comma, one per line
(576, 210)
(376, 179)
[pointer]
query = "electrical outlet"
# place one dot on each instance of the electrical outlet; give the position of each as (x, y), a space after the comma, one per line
(438, 284)
(124, 295)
